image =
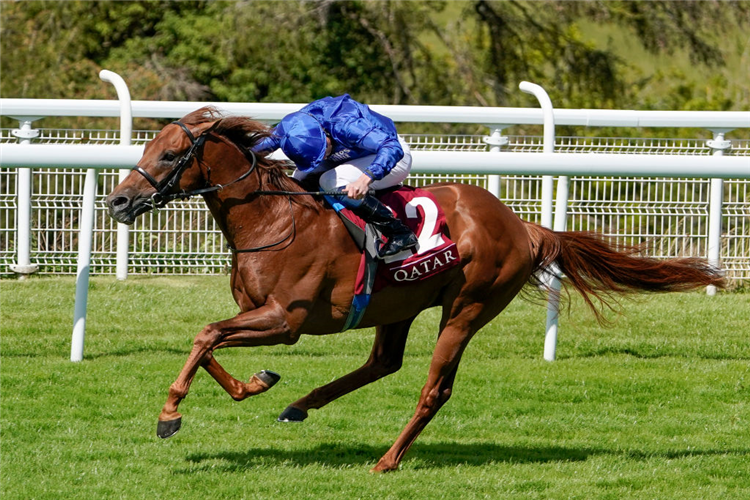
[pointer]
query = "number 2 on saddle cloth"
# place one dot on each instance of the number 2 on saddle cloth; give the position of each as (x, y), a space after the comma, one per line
(433, 254)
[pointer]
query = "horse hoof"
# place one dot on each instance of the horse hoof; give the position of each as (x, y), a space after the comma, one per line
(382, 468)
(268, 377)
(292, 414)
(169, 428)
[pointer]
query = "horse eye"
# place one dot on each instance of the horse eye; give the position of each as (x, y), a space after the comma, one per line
(168, 156)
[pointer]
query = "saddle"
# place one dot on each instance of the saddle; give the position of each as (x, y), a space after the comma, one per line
(434, 253)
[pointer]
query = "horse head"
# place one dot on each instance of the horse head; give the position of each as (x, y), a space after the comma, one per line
(175, 164)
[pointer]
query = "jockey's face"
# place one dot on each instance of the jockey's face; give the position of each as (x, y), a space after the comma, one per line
(329, 146)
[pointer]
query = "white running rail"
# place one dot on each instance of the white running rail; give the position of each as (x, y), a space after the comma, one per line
(493, 162)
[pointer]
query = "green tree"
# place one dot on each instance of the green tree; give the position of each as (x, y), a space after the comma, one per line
(53, 49)
(543, 41)
(416, 52)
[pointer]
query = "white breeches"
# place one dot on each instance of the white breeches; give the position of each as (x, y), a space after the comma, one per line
(348, 172)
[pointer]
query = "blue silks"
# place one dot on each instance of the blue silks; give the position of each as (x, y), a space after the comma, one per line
(355, 131)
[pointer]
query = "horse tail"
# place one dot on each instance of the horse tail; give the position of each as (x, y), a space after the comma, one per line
(599, 271)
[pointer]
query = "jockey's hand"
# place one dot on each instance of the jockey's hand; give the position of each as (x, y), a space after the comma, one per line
(359, 188)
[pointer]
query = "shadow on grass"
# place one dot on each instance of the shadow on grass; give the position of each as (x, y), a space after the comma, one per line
(117, 353)
(431, 456)
(434, 455)
(652, 354)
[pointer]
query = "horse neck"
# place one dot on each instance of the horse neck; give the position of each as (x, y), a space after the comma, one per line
(249, 220)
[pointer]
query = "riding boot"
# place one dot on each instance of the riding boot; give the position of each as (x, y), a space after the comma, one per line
(400, 237)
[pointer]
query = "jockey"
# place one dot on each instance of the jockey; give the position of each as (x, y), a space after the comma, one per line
(348, 147)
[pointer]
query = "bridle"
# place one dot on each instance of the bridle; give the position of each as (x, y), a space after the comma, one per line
(162, 196)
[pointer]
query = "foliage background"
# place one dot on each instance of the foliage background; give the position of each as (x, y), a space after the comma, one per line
(681, 55)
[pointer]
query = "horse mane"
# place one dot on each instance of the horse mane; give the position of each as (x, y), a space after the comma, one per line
(245, 133)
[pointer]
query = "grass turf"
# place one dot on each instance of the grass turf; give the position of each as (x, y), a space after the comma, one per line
(654, 406)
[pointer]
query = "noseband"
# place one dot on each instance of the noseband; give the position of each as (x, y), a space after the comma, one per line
(162, 196)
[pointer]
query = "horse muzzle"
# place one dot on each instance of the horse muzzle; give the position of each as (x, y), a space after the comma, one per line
(125, 209)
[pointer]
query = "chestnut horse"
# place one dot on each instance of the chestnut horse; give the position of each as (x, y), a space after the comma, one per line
(294, 266)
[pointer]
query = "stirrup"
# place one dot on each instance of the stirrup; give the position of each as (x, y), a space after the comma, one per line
(388, 249)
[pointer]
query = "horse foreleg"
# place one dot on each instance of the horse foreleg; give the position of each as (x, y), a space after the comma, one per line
(169, 418)
(385, 358)
(259, 382)
(266, 325)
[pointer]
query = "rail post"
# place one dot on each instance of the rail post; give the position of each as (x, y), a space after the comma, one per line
(716, 201)
(86, 225)
(85, 237)
(23, 266)
(548, 145)
(496, 140)
(561, 208)
(126, 130)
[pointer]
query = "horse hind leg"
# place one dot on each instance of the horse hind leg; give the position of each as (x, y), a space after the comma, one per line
(435, 393)
(385, 358)
(463, 315)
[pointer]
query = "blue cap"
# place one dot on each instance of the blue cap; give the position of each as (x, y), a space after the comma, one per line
(303, 140)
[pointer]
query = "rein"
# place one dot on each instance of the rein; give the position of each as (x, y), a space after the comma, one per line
(162, 196)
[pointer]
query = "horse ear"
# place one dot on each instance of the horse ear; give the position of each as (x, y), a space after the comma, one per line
(211, 113)
(202, 115)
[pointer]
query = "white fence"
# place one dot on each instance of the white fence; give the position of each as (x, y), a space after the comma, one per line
(671, 215)
(619, 189)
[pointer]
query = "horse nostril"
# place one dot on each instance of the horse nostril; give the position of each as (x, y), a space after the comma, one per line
(119, 202)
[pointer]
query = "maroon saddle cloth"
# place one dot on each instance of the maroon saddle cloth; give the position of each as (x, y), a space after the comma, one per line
(434, 253)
